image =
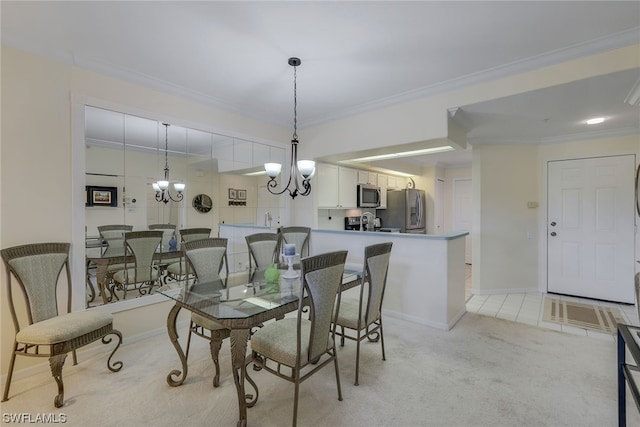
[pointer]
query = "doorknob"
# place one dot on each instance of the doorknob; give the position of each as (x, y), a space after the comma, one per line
(553, 233)
(553, 223)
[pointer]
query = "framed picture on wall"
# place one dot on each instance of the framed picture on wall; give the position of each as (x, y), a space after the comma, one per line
(101, 196)
(232, 194)
(242, 194)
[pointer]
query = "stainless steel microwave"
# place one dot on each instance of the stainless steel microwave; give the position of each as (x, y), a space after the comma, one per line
(368, 196)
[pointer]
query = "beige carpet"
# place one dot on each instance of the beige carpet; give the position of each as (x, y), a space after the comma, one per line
(484, 372)
(588, 316)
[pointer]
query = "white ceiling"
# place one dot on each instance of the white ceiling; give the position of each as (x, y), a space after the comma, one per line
(356, 56)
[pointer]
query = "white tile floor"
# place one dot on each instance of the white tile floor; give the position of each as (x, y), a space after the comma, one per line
(527, 308)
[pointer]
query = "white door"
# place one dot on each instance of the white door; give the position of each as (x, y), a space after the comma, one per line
(462, 212)
(439, 207)
(590, 228)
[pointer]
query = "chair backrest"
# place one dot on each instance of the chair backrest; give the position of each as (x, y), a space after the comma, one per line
(296, 235)
(168, 231)
(143, 245)
(113, 235)
(37, 268)
(376, 267)
(206, 257)
(321, 278)
(262, 251)
(190, 234)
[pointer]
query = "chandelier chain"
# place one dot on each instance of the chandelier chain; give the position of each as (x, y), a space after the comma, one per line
(295, 103)
(164, 194)
(307, 167)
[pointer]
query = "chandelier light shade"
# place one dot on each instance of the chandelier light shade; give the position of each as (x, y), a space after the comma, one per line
(163, 193)
(300, 169)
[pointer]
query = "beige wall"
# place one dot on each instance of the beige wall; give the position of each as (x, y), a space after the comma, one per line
(42, 99)
(504, 258)
(38, 155)
(509, 239)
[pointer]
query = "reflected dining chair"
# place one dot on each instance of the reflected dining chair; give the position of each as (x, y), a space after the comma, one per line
(168, 231)
(142, 271)
(306, 343)
(366, 312)
(178, 270)
(168, 256)
(207, 258)
(47, 333)
(262, 249)
(113, 238)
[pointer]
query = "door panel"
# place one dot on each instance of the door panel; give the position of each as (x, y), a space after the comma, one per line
(590, 228)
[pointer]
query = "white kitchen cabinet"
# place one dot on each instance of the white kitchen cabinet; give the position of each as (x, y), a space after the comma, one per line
(382, 183)
(263, 153)
(396, 182)
(336, 186)
(366, 177)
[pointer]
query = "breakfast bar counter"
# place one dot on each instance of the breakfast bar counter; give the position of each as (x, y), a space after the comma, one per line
(426, 282)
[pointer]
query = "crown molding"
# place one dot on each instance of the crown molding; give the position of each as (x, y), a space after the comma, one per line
(610, 42)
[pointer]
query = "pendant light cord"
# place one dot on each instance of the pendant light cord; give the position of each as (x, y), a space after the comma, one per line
(295, 103)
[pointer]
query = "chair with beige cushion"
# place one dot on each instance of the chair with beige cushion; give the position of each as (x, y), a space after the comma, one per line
(178, 270)
(297, 235)
(142, 272)
(306, 343)
(207, 258)
(112, 245)
(168, 231)
(262, 249)
(36, 269)
(112, 236)
(364, 316)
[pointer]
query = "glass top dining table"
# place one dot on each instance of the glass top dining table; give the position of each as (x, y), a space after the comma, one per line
(238, 308)
(103, 259)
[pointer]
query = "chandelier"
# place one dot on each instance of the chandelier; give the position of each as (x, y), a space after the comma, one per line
(299, 168)
(162, 187)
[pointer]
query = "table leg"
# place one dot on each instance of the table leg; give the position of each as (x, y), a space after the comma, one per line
(173, 336)
(239, 339)
(101, 278)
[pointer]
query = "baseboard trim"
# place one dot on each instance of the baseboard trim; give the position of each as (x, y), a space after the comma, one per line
(418, 320)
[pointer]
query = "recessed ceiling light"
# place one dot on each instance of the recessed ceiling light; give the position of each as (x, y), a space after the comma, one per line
(595, 120)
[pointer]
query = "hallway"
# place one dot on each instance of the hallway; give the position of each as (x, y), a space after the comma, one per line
(527, 308)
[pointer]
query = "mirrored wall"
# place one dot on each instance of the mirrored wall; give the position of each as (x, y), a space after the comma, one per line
(125, 155)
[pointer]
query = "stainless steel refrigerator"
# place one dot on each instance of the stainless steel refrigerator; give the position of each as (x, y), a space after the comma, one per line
(405, 210)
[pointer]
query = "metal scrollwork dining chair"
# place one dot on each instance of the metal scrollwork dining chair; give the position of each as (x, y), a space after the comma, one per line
(364, 316)
(296, 235)
(37, 268)
(168, 231)
(178, 270)
(142, 271)
(305, 344)
(262, 249)
(112, 236)
(207, 258)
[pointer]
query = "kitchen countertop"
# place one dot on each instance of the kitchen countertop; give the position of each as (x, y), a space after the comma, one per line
(444, 236)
